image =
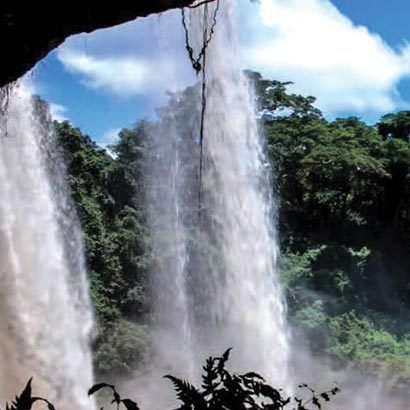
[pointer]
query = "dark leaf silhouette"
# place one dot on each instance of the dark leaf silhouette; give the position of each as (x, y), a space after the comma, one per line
(187, 393)
(99, 386)
(316, 402)
(127, 403)
(117, 398)
(220, 390)
(224, 390)
(25, 401)
(130, 405)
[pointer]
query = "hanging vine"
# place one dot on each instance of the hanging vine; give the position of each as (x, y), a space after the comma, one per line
(199, 65)
(196, 61)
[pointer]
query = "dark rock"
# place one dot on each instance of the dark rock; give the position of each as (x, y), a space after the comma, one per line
(30, 30)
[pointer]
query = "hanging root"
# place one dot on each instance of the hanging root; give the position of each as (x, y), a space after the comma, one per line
(194, 6)
(203, 109)
(196, 61)
(199, 65)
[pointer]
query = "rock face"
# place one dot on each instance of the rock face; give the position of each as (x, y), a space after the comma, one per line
(30, 30)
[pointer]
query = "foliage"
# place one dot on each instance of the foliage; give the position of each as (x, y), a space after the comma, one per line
(344, 222)
(274, 100)
(25, 401)
(223, 390)
(370, 347)
(344, 200)
(108, 192)
(121, 348)
(395, 126)
(117, 400)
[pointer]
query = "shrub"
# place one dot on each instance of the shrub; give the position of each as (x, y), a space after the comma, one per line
(121, 348)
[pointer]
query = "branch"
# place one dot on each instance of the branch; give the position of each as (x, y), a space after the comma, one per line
(200, 4)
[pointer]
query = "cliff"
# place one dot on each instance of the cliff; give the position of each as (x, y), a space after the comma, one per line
(30, 31)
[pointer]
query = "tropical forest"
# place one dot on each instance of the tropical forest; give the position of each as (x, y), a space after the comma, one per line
(237, 243)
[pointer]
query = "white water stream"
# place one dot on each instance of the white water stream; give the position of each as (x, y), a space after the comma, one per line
(45, 311)
(216, 283)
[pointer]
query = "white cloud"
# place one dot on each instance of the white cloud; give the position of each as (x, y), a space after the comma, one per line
(123, 76)
(311, 43)
(58, 112)
(347, 67)
(143, 57)
(109, 137)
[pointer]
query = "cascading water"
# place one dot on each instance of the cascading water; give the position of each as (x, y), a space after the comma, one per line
(249, 308)
(216, 283)
(45, 312)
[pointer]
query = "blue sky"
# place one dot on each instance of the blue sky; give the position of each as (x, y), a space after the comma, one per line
(353, 55)
(388, 18)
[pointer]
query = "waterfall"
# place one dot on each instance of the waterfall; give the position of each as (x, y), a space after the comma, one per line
(45, 311)
(216, 280)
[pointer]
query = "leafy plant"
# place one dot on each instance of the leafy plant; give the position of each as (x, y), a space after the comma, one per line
(117, 400)
(25, 400)
(222, 389)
